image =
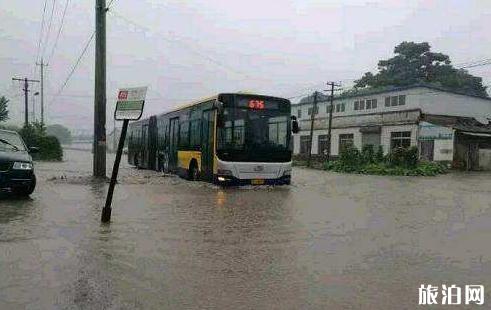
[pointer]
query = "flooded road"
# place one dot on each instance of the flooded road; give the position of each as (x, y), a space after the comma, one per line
(329, 241)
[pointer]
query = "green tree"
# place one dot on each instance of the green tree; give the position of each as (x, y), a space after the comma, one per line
(61, 132)
(4, 113)
(414, 63)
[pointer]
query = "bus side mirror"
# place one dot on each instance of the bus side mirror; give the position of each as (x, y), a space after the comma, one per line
(219, 108)
(295, 127)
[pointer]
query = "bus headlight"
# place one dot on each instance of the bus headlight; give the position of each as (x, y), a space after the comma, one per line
(221, 179)
(22, 166)
(224, 172)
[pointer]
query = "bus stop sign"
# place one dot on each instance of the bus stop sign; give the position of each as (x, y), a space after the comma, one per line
(130, 103)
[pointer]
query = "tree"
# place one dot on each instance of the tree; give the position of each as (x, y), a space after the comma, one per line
(414, 63)
(4, 113)
(61, 132)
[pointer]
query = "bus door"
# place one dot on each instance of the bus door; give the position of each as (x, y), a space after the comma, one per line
(173, 140)
(207, 144)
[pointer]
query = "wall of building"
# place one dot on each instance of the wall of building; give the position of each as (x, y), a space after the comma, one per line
(443, 150)
(394, 118)
(385, 137)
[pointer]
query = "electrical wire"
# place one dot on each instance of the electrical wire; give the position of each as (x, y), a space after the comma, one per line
(49, 28)
(59, 31)
(186, 45)
(41, 32)
(109, 5)
(75, 65)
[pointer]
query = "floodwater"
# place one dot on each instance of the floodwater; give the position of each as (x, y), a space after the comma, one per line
(329, 241)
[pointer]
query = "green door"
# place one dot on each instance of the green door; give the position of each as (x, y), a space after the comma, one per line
(207, 143)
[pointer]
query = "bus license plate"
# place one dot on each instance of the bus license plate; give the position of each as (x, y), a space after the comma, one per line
(257, 182)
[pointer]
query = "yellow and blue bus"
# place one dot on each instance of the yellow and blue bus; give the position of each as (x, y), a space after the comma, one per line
(230, 138)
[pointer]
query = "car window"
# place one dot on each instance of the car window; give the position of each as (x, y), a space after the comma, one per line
(13, 139)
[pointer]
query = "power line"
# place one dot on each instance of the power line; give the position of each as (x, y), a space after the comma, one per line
(41, 32)
(59, 31)
(109, 5)
(186, 45)
(49, 28)
(75, 65)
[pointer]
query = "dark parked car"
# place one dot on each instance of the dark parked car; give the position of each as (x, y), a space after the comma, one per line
(16, 168)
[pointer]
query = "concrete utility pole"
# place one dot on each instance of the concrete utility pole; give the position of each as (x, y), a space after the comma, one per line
(26, 98)
(331, 109)
(42, 64)
(312, 116)
(99, 146)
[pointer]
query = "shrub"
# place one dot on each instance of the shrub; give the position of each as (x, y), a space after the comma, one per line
(379, 156)
(400, 161)
(367, 154)
(49, 146)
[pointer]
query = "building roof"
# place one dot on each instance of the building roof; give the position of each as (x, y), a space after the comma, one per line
(380, 90)
(467, 124)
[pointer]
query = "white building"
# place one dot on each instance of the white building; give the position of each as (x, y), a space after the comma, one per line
(398, 117)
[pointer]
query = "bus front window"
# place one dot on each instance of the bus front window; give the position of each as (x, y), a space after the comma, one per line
(253, 135)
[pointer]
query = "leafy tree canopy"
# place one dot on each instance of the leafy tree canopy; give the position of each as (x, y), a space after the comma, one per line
(414, 63)
(4, 113)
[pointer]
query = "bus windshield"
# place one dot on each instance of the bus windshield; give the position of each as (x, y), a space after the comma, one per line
(255, 130)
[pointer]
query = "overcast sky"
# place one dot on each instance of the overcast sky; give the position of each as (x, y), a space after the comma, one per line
(184, 50)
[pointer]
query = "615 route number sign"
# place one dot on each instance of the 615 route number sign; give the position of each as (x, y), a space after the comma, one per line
(130, 103)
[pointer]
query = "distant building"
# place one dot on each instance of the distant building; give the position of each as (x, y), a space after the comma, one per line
(444, 125)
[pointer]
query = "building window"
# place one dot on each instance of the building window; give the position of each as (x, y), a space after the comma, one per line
(359, 105)
(340, 107)
(402, 99)
(371, 104)
(328, 108)
(323, 144)
(309, 112)
(395, 100)
(304, 144)
(345, 141)
(299, 112)
(400, 139)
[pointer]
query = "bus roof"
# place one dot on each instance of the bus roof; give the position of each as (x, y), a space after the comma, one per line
(204, 99)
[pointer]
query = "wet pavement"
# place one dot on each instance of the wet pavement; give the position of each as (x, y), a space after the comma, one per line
(329, 241)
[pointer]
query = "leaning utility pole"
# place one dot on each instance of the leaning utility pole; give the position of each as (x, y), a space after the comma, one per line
(331, 108)
(26, 99)
(312, 116)
(99, 146)
(42, 64)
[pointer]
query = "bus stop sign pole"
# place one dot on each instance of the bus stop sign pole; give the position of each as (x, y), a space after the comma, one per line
(106, 211)
(128, 107)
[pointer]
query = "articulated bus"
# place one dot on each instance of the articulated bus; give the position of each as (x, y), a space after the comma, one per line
(230, 138)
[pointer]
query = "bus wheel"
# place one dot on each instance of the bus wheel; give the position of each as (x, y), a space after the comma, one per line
(193, 171)
(135, 161)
